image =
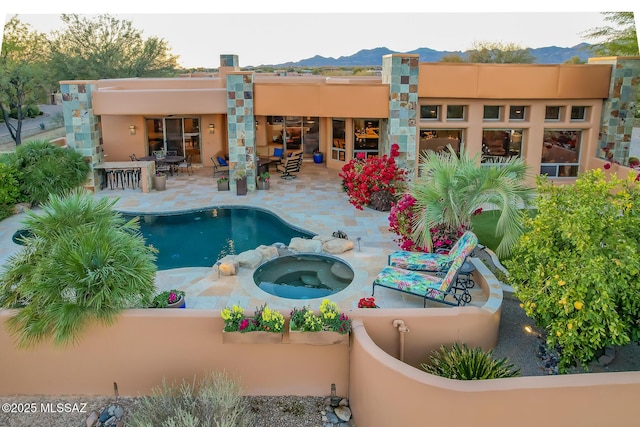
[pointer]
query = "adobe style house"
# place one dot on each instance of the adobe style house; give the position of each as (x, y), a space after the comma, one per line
(562, 119)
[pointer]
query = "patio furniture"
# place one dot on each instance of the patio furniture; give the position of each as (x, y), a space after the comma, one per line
(219, 164)
(446, 290)
(292, 164)
(433, 262)
(186, 164)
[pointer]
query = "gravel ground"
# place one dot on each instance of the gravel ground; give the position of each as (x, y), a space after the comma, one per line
(267, 411)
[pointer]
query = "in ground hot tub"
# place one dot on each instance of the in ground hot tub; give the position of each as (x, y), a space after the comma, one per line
(303, 276)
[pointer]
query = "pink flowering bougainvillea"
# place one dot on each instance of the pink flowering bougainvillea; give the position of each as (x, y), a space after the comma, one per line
(363, 177)
(401, 223)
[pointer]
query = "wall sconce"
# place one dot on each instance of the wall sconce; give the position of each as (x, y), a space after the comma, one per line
(212, 128)
(132, 130)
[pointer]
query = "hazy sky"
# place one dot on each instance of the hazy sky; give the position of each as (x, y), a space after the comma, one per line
(262, 34)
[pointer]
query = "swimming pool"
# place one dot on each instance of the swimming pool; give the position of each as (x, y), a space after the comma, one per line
(199, 238)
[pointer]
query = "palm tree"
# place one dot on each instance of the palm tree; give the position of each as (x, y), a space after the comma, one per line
(451, 189)
(84, 262)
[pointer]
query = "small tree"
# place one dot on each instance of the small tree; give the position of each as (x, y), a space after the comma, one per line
(451, 189)
(499, 53)
(577, 269)
(84, 262)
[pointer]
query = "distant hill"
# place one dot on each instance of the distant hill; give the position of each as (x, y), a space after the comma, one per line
(373, 57)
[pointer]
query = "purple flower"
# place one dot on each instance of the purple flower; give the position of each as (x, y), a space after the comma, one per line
(244, 324)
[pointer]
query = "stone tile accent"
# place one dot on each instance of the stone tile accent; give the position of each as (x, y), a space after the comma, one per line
(241, 127)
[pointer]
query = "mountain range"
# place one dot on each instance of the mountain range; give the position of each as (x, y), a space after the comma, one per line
(373, 57)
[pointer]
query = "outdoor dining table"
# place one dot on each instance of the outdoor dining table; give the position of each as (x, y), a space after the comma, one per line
(173, 161)
(145, 174)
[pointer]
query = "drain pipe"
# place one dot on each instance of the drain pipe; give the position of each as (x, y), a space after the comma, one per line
(402, 328)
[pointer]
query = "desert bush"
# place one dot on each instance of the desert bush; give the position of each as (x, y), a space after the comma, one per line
(463, 363)
(9, 191)
(45, 169)
(216, 400)
(82, 262)
(577, 269)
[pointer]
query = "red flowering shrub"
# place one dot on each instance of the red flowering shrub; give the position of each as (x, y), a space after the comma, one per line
(367, 303)
(363, 177)
(401, 223)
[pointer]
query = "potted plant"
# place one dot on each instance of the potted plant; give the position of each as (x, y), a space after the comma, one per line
(173, 298)
(223, 183)
(160, 181)
(240, 177)
(263, 181)
(330, 326)
(265, 327)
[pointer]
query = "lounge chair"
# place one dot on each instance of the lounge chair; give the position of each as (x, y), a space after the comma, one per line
(445, 290)
(433, 262)
(219, 164)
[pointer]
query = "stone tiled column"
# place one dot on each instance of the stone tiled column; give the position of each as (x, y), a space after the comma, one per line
(241, 127)
(82, 127)
(400, 72)
(616, 123)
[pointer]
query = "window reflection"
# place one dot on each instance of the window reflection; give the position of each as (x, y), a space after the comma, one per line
(499, 144)
(560, 152)
(439, 139)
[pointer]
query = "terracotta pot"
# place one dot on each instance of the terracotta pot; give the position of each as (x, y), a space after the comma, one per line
(255, 337)
(160, 182)
(318, 338)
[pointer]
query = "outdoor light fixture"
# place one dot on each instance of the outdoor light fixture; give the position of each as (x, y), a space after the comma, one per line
(132, 129)
(212, 128)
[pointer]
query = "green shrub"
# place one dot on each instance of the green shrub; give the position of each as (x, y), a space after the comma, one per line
(577, 269)
(463, 363)
(83, 262)
(48, 169)
(214, 401)
(9, 191)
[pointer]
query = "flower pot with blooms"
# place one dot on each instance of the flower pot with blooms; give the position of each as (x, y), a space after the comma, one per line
(329, 326)
(223, 183)
(373, 179)
(263, 181)
(173, 298)
(367, 303)
(264, 327)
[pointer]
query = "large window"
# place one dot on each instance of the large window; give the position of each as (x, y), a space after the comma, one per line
(294, 133)
(367, 136)
(338, 151)
(500, 144)
(439, 139)
(560, 152)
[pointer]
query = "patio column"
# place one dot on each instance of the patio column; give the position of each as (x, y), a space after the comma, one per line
(82, 128)
(241, 127)
(616, 123)
(400, 72)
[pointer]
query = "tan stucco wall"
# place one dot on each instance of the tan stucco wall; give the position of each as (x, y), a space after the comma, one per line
(143, 346)
(498, 81)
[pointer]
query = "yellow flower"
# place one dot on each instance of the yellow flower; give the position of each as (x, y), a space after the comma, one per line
(578, 305)
(570, 325)
(561, 283)
(558, 333)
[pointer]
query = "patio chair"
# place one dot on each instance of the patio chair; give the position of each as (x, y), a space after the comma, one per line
(292, 164)
(278, 154)
(186, 164)
(445, 290)
(219, 164)
(433, 262)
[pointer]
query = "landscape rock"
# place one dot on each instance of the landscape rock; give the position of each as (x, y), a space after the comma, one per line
(227, 266)
(337, 246)
(21, 208)
(305, 245)
(92, 419)
(323, 237)
(249, 259)
(267, 252)
(343, 412)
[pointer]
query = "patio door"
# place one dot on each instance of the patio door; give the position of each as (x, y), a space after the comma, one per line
(179, 134)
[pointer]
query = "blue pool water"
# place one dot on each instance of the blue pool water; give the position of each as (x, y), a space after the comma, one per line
(198, 239)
